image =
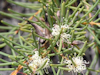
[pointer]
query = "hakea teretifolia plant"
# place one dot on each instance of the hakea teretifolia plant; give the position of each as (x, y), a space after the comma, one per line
(39, 62)
(63, 35)
(54, 32)
(76, 63)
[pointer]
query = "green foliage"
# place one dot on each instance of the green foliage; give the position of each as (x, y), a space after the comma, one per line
(48, 13)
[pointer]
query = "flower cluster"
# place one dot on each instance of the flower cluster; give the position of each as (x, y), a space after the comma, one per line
(57, 29)
(65, 37)
(78, 66)
(37, 61)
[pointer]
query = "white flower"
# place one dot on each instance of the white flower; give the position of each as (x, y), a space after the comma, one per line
(79, 66)
(65, 37)
(65, 27)
(36, 61)
(56, 29)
